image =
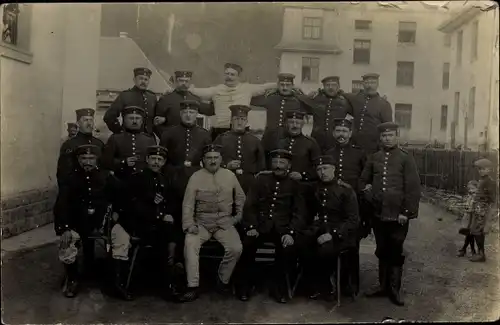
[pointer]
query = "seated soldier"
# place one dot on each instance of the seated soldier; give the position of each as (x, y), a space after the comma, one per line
(207, 212)
(274, 212)
(336, 220)
(151, 200)
(82, 203)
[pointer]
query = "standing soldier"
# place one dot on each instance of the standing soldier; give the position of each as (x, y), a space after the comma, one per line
(350, 161)
(274, 211)
(331, 105)
(369, 110)
(304, 149)
(139, 96)
(125, 153)
(241, 151)
(185, 143)
(336, 220)
(169, 105)
(277, 103)
(67, 160)
(81, 205)
(391, 182)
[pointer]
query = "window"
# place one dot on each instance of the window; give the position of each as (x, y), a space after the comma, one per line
(310, 69)
(361, 53)
(357, 85)
(447, 40)
(456, 108)
(460, 38)
(444, 117)
(10, 23)
(446, 76)
(363, 24)
(402, 115)
(311, 28)
(473, 43)
(16, 29)
(472, 107)
(404, 75)
(407, 32)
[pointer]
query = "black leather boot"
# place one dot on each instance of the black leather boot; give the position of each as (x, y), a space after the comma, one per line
(395, 277)
(191, 294)
(380, 291)
(70, 287)
(121, 275)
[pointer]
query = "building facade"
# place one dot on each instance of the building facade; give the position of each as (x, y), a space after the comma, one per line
(401, 43)
(470, 118)
(48, 68)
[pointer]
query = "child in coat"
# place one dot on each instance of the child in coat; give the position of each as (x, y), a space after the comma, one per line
(472, 187)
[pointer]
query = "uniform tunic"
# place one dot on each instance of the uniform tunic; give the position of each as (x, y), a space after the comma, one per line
(350, 163)
(276, 105)
(184, 145)
(368, 112)
(395, 184)
(327, 109)
(132, 97)
(169, 107)
(121, 146)
(304, 150)
(246, 148)
(67, 161)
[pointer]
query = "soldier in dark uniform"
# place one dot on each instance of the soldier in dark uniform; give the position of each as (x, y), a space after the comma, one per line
(391, 182)
(369, 110)
(350, 161)
(241, 151)
(67, 160)
(331, 105)
(274, 211)
(125, 153)
(81, 204)
(277, 103)
(304, 148)
(139, 96)
(168, 107)
(185, 143)
(334, 229)
(154, 218)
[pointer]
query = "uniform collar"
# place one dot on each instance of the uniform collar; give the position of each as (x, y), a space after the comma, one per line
(83, 135)
(137, 89)
(294, 136)
(133, 131)
(187, 126)
(347, 144)
(389, 149)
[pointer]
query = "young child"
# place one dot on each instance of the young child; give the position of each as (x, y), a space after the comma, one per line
(472, 187)
(483, 206)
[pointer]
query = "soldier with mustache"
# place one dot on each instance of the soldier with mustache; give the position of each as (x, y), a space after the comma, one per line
(139, 96)
(169, 106)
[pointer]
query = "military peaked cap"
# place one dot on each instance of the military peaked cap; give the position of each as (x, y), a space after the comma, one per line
(295, 114)
(190, 104)
(234, 66)
(483, 163)
(371, 76)
(239, 110)
(387, 126)
(133, 110)
(183, 74)
(84, 112)
(142, 72)
(157, 150)
(281, 153)
(88, 149)
(324, 160)
(212, 148)
(342, 122)
(286, 77)
(331, 78)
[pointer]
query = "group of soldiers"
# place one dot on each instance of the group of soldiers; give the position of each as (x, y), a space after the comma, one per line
(173, 185)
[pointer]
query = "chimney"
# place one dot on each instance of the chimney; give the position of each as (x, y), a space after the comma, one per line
(123, 34)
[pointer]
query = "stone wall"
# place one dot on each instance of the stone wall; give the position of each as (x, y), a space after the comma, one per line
(27, 210)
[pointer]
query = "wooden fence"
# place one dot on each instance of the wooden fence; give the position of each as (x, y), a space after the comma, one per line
(449, 169)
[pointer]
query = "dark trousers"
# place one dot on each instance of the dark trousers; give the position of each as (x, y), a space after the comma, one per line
(285, 259)
(217, 131)
(389, 238)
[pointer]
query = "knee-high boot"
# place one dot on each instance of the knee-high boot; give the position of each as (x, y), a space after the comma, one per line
(121, 275)
(70, 288)
(394, 283)
(381, 290)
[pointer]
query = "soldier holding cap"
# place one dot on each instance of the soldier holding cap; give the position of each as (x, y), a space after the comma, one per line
(241, 151)
(369, 110)
(232, 92)
(185, 143)
(168, 107)
(331, 104)
(79, 211)
(333, 230)
(484, 207)
(139, 96)
(125, 153)
(212, 205)
(277, 102)
(350, 161)
(274, 211)
(391, 183)
(303, 148)
(67, 160)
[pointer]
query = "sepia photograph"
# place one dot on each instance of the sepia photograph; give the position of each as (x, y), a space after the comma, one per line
(250, 162)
